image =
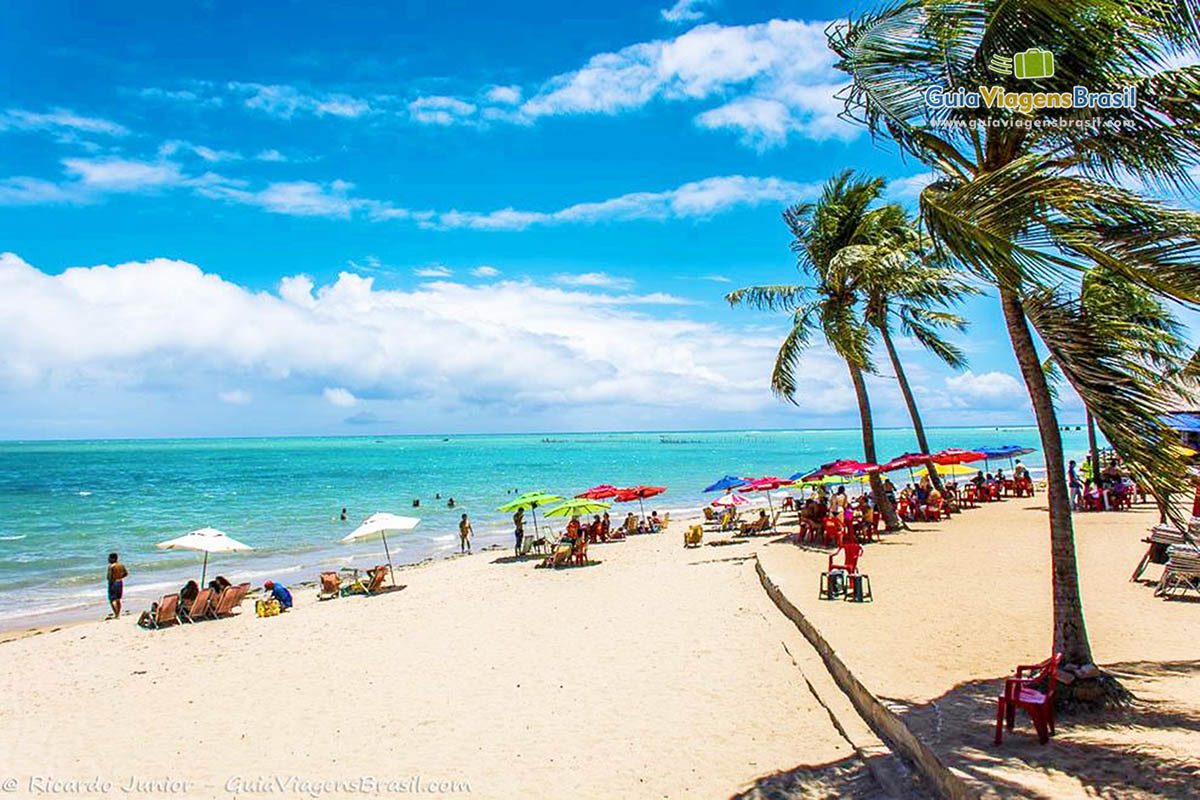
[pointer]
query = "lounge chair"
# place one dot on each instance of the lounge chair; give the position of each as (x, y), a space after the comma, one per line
(664, 521)
(331, 586)
(162, 613)
(373, 583)
(198, 608)
(228, 601)
(710, 515)
(694, 536)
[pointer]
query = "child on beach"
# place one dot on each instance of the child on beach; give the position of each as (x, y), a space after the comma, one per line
(116, 584)
(464, 535)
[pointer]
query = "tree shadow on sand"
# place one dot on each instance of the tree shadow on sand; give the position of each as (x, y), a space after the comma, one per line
(848, 777)
(960, 726)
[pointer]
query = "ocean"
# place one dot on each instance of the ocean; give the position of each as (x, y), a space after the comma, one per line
(65, 505)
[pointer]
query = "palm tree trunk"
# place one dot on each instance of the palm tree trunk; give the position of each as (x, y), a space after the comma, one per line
(1070, 632)
(1093, 448)
(910, 401)
(868, 433)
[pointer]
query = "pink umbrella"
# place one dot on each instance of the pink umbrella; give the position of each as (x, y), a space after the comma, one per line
(730, 500)
(767, 484)
(842, 467)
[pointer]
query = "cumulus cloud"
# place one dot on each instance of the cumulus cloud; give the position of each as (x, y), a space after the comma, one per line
(287, 101)
(685, 11)
(339, 396)
(440, 110)
(235, 397)
(779, 73)
(443, 348)
(993, 389)
(504, 95)
(58, 119)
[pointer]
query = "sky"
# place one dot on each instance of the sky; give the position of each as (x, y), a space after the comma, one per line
(270, 218)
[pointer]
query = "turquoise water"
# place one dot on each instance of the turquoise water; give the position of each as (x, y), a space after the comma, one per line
(65, 505)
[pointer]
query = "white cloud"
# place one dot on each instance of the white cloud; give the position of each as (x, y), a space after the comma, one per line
(593, 279)
(775, 77)
(697, 199)
(716, 278)
(186, 96)
(485, 271)
(440, 110)
(236, 397)
(435, 271)
(339, 396)
(994, 389)
(447, 348)
(123, 175)
(504, 95)
(910, 187)
(684, 11)
(294, 198)
(58, 119)
(287, 101)
(270, 155)
(211, 155)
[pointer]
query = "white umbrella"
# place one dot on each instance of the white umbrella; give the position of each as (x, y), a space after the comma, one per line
(379, 524)
(206, 540)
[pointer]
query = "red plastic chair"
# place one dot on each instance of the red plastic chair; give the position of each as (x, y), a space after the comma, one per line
(852, 550)
(833, 530)
(1019, 693)
(580, 552)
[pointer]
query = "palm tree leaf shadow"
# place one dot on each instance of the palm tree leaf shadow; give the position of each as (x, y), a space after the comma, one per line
(960, 725)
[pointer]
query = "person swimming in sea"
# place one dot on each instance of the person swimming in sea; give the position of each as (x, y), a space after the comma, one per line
(450, 503)
(343, 515)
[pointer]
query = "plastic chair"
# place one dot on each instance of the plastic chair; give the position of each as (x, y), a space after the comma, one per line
(1020, 694)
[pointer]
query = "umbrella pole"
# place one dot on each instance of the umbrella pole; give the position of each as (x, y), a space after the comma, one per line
(388, 553)
(643, 507)
(771, 506)
(204, 569)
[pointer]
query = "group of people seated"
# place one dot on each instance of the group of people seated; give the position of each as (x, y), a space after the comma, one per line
(574, 541)
(1112, 490)
(835, 517)
(186, 605)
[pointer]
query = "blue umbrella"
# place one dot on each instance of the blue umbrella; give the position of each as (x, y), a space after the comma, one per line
(728, 482)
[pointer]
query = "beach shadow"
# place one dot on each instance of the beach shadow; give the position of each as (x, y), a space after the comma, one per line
(516, 559)
(734, 559)
(960, 726)
(848, 777)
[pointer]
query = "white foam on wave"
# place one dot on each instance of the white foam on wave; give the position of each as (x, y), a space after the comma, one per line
(16, 538)
(84, 494)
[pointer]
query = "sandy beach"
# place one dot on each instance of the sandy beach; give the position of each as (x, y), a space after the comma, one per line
(655, 672)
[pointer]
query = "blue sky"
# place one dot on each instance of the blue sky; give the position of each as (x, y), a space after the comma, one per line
(270, 218)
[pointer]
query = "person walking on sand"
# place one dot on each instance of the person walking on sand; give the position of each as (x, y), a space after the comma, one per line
(519, 529)
(464, 535)
(116, 584)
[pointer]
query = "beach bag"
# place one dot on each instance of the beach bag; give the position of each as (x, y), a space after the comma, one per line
(267, 608)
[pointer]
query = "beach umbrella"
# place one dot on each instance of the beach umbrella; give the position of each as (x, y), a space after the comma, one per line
(601, 492)
(950, 469)
(730, 500)
(728, 482)
(638, 493)
(577, 505)
(205, 540)
(379, 524)
(842, 467)
(954, 455)
(531, 500)
(767, 484)
(906, 461)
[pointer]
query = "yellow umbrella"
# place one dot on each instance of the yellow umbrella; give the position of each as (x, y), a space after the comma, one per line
(949, 469)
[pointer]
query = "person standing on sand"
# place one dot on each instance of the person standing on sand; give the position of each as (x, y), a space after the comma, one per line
(116, 575)
(464, 535)
(519, 528)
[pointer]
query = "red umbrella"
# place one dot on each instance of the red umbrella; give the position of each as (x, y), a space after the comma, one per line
(638, 493)
(906, 461)
(767, 484)
(954, 455)
(842, 467)
(601, 492)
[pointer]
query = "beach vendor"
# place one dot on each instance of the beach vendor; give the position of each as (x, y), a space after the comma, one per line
(116, 575)
(279, 593)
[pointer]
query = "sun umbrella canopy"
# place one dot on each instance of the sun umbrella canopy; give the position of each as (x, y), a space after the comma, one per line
(1004, 451)
(826, 480)
(842, 467)
(728, 482)
(767, 484)
(638, 493)
(730, 500)
(949, 470)
(577, 505)
(954, 455)
(530, 500)
(906, 461)
(601, 492)
(205, 540)
(379, 524)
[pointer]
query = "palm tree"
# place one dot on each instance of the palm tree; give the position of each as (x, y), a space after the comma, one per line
(901, 286)
(1026, 207)
(829, 238)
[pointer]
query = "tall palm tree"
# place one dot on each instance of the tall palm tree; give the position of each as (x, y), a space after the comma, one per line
(829, 238)
(1026, 207)
(902, 287)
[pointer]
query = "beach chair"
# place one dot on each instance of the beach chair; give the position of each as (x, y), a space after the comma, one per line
(1181, 573)
(664, 521)
(162, 613)
(198, 609)
(222, 604)
(694, 536)
(710, 515)
(579, 552)
(331, 586)
(1019, 693)
(372, 585)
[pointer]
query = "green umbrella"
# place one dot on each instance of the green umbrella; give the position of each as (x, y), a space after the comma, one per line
(578, 505)
(530, 500)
